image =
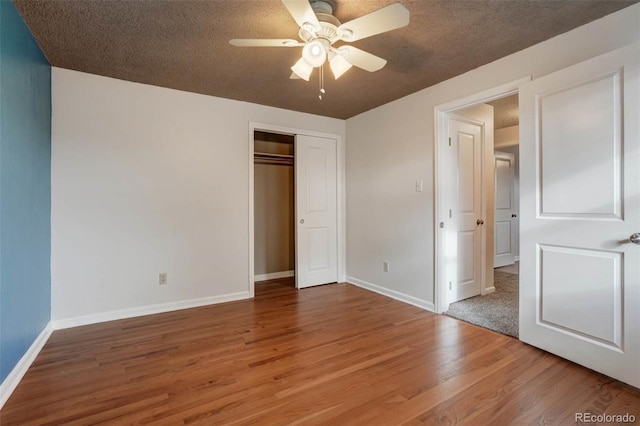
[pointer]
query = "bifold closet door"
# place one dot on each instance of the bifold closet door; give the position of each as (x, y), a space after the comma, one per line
(316, 211)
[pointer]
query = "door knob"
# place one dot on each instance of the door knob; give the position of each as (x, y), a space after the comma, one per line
(479, 222)
(635, 238)
(514, 215)
(301, 220)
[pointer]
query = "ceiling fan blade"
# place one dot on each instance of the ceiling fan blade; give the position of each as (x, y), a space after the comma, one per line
(382, 20)
(302, 12)
(362, 59)
(264, 42)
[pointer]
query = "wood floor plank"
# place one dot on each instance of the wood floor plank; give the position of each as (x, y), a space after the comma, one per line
(334, 354)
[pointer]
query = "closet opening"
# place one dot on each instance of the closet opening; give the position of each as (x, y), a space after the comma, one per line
(274, 208)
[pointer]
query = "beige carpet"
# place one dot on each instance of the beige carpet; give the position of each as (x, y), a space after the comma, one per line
(497, 311)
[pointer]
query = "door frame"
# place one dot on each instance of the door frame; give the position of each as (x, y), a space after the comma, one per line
(445, 259)
(340, 191)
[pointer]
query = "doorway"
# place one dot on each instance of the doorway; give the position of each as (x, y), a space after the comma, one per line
(274, 207)
(497, 307)
(461, 245)
(296, 206)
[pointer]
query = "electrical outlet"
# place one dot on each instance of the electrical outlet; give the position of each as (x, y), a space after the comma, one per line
(162, 279)
(385, 266)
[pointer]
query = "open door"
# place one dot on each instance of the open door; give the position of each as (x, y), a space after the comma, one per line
(316, 211)
(580, 203)
(470, 201)
(466, 149)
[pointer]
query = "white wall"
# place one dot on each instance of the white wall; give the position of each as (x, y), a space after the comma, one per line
(391, 147)
(148, 180)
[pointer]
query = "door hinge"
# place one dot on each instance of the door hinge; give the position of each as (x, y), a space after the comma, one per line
(449, 285)
(449, 141)
(450, 214)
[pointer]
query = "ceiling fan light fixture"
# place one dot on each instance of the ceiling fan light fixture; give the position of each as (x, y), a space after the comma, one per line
(302, 69)
(314, 53)
(339, 65)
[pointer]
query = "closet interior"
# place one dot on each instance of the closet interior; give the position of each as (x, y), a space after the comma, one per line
(274, 207)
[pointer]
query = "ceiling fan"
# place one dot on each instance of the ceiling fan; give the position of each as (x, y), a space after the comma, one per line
(319, 30)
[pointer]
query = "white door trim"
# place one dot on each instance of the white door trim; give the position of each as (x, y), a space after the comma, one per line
(253, 126)
(443, 197)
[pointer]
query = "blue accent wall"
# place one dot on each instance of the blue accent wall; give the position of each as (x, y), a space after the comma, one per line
(25, 189)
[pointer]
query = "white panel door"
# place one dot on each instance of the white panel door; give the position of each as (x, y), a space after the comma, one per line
(466, 144)
(580, 203)
(505, 213)
(316, 211)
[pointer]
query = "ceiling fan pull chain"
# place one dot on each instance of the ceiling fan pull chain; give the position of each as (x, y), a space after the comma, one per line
(321, 81)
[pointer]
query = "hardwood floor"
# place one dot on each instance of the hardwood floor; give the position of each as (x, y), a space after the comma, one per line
(329, 355)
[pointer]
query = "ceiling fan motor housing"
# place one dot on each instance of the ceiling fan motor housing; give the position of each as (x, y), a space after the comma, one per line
(323, 6)
(328, 23)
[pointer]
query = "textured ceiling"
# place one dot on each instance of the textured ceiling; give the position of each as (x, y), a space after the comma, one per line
(184, 45)
(505, 112)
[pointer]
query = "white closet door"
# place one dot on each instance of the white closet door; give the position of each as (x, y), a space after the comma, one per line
(316, 211)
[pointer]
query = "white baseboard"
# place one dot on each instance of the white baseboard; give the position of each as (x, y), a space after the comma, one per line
(488, 291)
(13, 379)
(516, 258)
(274, 276)
(147, 310)
(392, 294)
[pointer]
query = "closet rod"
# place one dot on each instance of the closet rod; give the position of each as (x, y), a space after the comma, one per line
(275, 160)
(270, 155)
(274, 163)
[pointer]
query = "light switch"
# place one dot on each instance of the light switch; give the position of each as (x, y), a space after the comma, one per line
(418, 186)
